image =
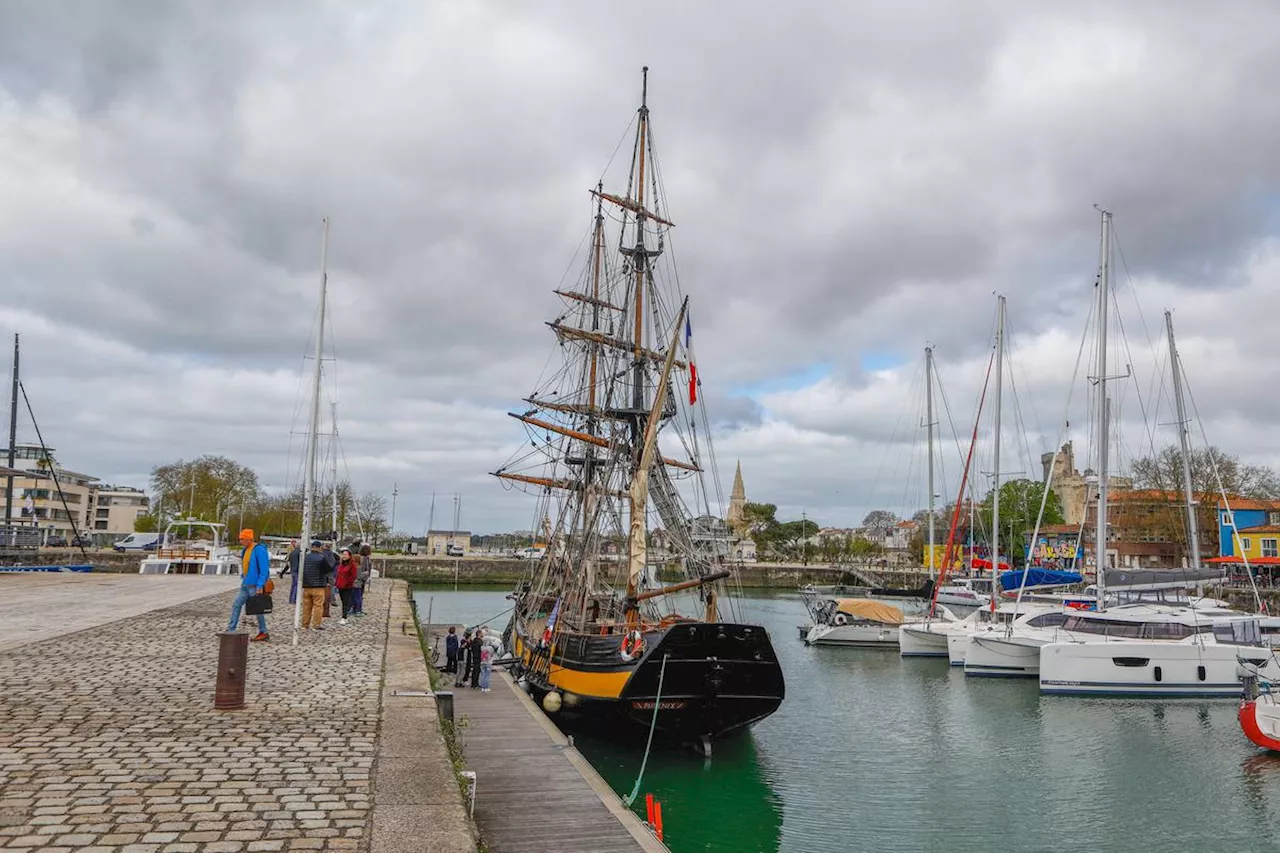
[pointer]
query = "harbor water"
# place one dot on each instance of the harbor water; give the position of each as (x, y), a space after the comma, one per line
(874, 752)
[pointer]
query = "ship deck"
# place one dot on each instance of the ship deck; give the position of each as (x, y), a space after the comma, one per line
(534, 791)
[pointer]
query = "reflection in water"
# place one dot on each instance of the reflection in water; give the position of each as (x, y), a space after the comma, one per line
(872, 752)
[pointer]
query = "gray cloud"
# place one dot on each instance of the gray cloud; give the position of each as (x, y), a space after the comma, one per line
(847, 181)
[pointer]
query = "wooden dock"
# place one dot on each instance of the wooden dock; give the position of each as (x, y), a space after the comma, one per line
(535, 793)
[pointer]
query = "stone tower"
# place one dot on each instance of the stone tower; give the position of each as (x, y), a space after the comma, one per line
(737, 500)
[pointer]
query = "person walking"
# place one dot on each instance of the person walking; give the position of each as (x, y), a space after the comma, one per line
(486, 666)
(346, 582)
(473, 658)
(255, 571)
(362, 577)
(291, 567)
(315, 587)
(332, 559)
(464, 653)
(451, 650)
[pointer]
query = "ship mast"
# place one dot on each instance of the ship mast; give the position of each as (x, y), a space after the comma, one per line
(640, 255)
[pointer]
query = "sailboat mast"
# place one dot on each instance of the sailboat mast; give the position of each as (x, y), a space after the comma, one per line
(928, 397)
(313, 429)
(596, 263)
(13, 437)
(1184, 437)
(640, 258)
(1104, 411)
(333, 408)
(995, 497)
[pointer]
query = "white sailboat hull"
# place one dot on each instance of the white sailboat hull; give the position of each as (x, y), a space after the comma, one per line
(865, 636)
(923, 640)
(1003, 656)
(1193, 668)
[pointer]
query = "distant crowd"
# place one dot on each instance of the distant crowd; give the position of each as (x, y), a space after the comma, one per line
(323, 575)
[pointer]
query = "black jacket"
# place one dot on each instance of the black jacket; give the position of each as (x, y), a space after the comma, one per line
(316, 570)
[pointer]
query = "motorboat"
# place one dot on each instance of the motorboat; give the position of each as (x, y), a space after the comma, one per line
(1156, 650)
(192, 547)
(854, 622)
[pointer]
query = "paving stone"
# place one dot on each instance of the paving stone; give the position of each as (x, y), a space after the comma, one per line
(109, 742)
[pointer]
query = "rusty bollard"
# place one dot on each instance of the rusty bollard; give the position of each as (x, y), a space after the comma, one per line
(233, 656)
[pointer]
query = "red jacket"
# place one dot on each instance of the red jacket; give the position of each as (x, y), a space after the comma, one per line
(347, 575)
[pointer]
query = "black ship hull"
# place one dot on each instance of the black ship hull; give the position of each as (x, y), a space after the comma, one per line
(709, 680)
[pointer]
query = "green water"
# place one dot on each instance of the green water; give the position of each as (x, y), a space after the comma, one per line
(873, 752)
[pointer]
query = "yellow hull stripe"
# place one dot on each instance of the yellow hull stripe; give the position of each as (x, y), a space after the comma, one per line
(591, 685)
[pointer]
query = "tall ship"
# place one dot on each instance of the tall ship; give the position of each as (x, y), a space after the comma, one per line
(629, 613)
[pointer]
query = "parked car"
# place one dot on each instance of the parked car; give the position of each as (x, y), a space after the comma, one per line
(55, 541)
(81, 541)
(454, 551)
(138, 542)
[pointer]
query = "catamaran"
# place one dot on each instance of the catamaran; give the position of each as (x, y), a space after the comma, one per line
(1148, 649)
(614, 450)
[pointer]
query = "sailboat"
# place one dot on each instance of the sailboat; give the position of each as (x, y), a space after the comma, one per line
(309, 506)
(598, 630)
(1196, 648)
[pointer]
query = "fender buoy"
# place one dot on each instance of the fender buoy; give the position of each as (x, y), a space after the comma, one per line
(841, 619)
(632, 646)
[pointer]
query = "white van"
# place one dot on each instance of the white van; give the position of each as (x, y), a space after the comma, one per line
(138, 542)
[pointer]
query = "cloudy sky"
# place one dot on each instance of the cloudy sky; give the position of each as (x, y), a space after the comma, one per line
(850, 182)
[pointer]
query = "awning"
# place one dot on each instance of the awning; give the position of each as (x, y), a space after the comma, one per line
(1038, 577)
(1239, 561)
(979, 563)
(874, 611)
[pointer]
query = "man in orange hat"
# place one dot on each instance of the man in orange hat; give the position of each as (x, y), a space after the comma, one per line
(255, 569)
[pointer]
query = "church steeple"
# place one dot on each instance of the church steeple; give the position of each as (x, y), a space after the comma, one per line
(737, 501)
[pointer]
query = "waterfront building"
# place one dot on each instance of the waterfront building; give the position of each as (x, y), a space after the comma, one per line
(1252, 519)
(438, 542)
(115, 511)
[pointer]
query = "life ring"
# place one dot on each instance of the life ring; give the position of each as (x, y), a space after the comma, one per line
(632, 646)
(841, 619)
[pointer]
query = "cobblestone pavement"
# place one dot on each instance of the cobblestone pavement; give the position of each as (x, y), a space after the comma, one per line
(109, 741)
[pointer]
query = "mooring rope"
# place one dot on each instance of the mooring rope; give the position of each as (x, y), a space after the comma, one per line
(653, 724)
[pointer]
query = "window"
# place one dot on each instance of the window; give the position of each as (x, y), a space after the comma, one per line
(1273, 518)
(1269, 548)
(1246, 544)
(1048, 620)
(1227, 520)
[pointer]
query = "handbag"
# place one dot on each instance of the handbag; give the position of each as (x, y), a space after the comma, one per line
(258, 604)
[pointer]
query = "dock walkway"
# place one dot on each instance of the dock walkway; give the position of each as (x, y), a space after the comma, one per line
(535, 793)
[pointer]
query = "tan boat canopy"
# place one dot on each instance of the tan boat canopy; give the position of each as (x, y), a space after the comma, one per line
(874, 611)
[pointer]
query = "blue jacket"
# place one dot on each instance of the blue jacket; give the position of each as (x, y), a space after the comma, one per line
(259, 567)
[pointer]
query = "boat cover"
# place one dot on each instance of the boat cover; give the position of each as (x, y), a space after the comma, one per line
(1161, 578)
(865, 608)
(1039, 577)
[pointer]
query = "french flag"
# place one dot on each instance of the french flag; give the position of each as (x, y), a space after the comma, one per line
(693, 368)
(551, 623)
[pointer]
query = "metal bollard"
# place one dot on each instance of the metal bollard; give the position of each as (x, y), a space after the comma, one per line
(444, 703)
(233, 657)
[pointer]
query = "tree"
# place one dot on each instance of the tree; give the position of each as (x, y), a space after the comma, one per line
(879, 521)
(1019, 506)
(371, 511)
(211, 488)
(793, 537)
(1163, 471)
